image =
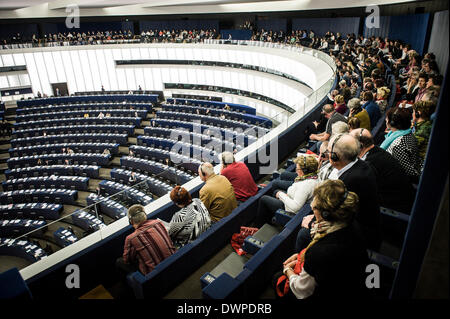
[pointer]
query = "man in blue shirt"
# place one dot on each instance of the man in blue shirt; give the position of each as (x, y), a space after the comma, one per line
(371, 107)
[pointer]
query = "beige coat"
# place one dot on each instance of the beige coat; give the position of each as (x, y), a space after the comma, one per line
(218, 196)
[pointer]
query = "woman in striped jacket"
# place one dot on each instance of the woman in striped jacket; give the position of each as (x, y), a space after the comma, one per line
(189, 222)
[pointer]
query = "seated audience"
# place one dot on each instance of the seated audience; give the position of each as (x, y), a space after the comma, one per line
(339, 104)
(325, 167)
(296, 196)
(333, 117)
(401, 143)
(339, 127)
(344, 91)
(189, 222)
(239, 176)
(359, 177)
(371, 107)
(353, 123)
(419, 90)
(395, 189)
(382, 97)
(147, 246)
(358, 112)
(333, 264)
(422, 111)
(217, 194)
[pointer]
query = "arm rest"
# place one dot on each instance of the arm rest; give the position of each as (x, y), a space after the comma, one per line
(394, 214)
(282, 217)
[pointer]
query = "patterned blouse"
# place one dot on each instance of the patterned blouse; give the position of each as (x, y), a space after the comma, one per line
(188, 223)
(405, 150)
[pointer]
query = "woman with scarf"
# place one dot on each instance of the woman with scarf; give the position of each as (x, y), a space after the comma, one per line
(297, 195)
(333, 264)
(401, 143)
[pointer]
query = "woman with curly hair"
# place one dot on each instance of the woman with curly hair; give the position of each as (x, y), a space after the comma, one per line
(333, 264)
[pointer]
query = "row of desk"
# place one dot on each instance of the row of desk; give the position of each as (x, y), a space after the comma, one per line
(39, 195)
(205, 119)
(214, 104)
(92, 106)
(203, 140)
(113, 188)
(61, 170)
(64, 237)
(66, 182)
(136, 121)
(153, 185)
(155, 168)
(158, 154)
(187, 149)
(71, 129)
(16, 227)
(77, 159)
(86, 220)
(80, 113)
(31, 210)
(241, 138)
(230, 115)
(107, 206)
(57, 148)
(106, 98)
(121, 139)
(22, 249)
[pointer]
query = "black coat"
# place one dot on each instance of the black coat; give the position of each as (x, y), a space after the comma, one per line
(361, 179)
(395, 190)
(338, 262)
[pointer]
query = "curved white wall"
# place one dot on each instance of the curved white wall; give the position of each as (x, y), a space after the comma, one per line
(87, 68)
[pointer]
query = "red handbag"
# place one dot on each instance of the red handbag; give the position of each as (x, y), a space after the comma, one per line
(238, 238)
(283, 280)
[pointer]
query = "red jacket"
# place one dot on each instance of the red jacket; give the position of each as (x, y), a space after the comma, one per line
(241, 179)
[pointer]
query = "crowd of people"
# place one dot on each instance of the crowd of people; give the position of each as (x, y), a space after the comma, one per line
(104, 37)
(345, 182)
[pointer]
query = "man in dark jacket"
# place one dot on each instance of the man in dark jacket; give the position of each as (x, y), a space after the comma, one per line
(359, 177)
(396, 192)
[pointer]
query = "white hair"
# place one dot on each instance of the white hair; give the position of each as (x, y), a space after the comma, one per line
(339, 127)
(227, 158)
(207, 169)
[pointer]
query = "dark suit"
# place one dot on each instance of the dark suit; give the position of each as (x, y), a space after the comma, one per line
(395, 190)
(361, 179)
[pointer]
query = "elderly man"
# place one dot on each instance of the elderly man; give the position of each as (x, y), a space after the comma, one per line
(147, 246)
(239, 176)
(333, 117)
(395, 190)
(217, 194)
(359, 177)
